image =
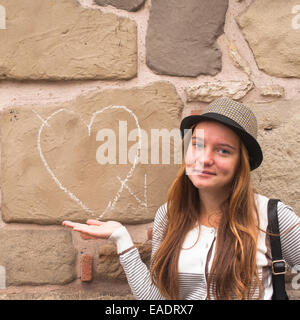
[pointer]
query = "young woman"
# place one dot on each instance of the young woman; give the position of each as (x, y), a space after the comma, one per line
(210, 238)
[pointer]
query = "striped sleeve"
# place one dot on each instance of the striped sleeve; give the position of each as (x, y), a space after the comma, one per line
(290, 240)
(137, 273)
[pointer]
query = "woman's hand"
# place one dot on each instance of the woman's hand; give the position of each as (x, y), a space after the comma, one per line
(94, 228)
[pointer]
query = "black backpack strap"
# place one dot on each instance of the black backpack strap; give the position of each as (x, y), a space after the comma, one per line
(279, 266)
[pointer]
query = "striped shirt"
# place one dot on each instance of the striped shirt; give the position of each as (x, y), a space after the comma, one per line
(197, 253)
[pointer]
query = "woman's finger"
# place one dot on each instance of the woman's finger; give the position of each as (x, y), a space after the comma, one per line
(74, 224)
(82, 228)
(94, 222)
(69, 224)
(66, 223)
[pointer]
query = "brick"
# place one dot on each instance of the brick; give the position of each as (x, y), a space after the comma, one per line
(149, 233)
(86, 267)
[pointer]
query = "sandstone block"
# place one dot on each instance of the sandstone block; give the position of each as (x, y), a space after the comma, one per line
(272, 91)
(272, 31)
(36, 257)
(279, 133)
(129, 5)
(103, 154)
(109, 267)
(61, 40)
(181, 37)
(209, 91)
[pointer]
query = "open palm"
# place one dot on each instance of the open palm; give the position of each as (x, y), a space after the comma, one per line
(94, 228)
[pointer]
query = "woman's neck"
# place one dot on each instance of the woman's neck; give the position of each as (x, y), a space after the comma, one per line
(210, 207)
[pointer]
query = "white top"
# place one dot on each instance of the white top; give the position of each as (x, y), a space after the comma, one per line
(196, 257)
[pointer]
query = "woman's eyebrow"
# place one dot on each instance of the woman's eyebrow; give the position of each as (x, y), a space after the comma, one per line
(218, 144)
(226, 145)
(197, 138)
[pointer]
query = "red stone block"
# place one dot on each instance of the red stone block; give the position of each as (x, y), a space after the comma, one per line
(86, 267)
(149, 233)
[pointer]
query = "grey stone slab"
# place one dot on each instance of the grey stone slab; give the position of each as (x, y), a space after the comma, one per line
(181, 37)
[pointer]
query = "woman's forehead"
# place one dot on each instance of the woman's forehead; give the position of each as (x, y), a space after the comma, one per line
(214, 131)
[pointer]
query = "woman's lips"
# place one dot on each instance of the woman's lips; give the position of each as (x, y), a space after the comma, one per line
(204, 172)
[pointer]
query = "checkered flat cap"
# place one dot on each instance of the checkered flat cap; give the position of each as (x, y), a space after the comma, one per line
(238, 117)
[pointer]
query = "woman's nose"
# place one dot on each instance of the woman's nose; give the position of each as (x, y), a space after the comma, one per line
(208, 158)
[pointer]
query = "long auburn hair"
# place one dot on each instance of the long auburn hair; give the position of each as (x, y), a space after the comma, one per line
(233, 274)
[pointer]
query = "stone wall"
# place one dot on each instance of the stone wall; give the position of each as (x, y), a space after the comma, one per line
(70, 69)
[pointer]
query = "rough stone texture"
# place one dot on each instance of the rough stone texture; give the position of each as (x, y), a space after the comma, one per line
(58, 40)
(268, 27)
(272, 91)
(86, 267)
(77, 295)
(279, 135)
(109, 267)
(63, 296)
(209, 91)
(37, 257)
(129, 5)
(181, 37)
(238, 60)
(50, 159)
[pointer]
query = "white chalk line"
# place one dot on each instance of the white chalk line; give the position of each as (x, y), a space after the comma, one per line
(142, 203)
(56, 180)
(44, 121)
(111, 204)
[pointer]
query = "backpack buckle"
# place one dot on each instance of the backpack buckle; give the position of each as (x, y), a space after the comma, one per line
(279, 267)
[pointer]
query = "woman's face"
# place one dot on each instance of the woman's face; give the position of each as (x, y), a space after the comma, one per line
(212, 156)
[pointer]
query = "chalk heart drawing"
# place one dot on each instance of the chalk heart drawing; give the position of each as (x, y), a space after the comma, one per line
(123, 183)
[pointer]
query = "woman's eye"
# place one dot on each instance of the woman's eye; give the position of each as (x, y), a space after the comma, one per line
(198, 145)
(224, 151)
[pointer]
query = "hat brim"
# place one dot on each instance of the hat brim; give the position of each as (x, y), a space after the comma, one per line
(252, 146)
